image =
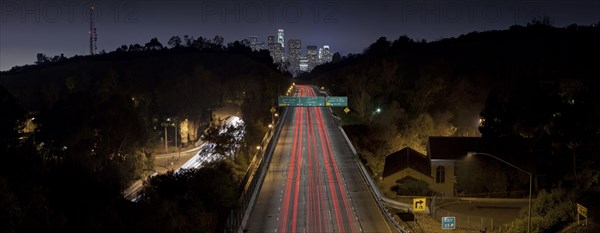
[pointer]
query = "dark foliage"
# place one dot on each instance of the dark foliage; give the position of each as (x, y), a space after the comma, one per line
(96, 118)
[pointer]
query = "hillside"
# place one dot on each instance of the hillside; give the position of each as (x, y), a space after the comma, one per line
(98, 121)
(532, 92)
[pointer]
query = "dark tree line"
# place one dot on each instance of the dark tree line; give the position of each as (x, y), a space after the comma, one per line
(98, 119)
(534, 87)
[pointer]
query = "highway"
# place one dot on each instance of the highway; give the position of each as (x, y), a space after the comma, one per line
(313, 183)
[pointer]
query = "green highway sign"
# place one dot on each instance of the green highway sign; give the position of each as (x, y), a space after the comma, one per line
(288, 101)
(336, 101)
(312, 101)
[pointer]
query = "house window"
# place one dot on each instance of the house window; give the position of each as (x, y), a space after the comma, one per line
(440, 174)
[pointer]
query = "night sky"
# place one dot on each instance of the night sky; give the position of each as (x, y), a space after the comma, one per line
(55, 27)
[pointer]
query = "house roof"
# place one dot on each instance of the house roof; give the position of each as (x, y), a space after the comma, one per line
(406, 158)
(453, 148)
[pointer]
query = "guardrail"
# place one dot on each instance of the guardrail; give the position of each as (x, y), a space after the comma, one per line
(380, 199)
(238, 217)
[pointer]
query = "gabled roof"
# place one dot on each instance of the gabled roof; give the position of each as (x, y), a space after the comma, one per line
(406, 158)
(453, 148)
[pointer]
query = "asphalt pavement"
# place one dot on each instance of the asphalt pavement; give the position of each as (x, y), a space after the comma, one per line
(313, 183)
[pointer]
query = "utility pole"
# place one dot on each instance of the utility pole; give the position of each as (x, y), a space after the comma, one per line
(166, 141)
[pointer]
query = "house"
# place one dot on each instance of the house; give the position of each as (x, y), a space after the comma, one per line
(446, 154)
(405, 164)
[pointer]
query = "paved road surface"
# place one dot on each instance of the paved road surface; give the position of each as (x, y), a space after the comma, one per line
(313, 184)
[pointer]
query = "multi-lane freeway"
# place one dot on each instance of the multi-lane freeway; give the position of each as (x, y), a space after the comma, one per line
(313, 183)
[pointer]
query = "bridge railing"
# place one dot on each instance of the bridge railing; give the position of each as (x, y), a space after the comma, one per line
(253, 180)
(381, 200)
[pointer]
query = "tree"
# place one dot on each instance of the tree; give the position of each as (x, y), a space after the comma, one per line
(217, 42)
(41, 59)
(9, 120)
(103, 134)
(200, 43)
(135, 48)
(379, 47)
(154, 44)
(336, 57)
(188, 40)
(189, 201)
(175, 42)
(123, 48)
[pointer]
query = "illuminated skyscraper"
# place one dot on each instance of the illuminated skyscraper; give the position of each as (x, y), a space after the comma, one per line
(276, 50)
(304, 64)
(271, 39)
(280, 38)
(294, 47)
(312, 54)
(326, 55)
(255, 45)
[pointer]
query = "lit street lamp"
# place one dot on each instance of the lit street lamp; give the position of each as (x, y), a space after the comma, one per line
(518, 168)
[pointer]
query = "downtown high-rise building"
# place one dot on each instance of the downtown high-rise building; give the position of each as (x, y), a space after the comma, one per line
(304, 64)
(271, 39)
(255, 44)
(276, 50)
(297, 63)
(325, 55)
(281, 38)
(312, 54)
(294, 47)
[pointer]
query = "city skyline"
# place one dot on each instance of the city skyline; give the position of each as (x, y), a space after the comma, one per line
(297, 61)
(61, 27)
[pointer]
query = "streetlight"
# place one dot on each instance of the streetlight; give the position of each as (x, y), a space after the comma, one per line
(469, 154)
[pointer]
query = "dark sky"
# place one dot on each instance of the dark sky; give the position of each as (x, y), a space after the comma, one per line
(348, 26)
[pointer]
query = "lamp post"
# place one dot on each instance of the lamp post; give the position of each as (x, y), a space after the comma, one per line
(520, 169)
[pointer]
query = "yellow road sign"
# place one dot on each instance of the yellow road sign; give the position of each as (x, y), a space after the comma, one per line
(419, 204)
(346, 110)
(273, 109)
(581, 210)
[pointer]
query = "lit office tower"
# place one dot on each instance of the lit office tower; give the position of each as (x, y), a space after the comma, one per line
(275, 49)
(326, 55)
(253, 42)
(260, 45)
(303, 64)
(280, 38)
(312, 54)
(271, 39)
(294, 46)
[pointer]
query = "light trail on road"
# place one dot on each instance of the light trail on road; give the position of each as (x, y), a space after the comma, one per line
(308, 172)
(313, 183)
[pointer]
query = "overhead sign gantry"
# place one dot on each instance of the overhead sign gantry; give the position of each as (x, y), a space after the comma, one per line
(318, 101)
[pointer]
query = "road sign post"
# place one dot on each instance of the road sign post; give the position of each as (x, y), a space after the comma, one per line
(581, 210)
(448, 223)
(419, 204)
